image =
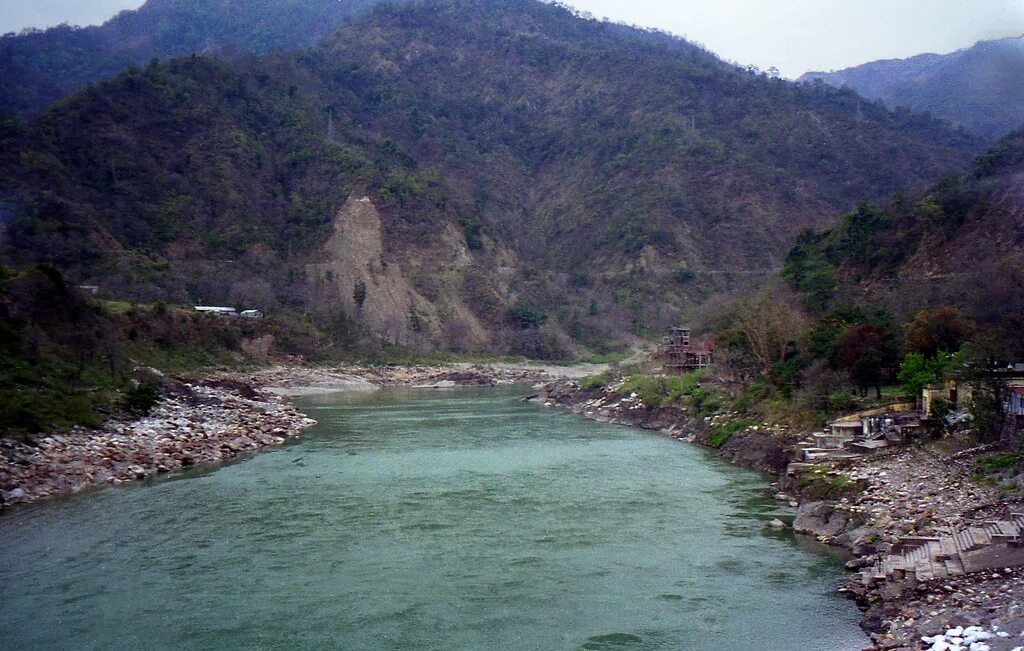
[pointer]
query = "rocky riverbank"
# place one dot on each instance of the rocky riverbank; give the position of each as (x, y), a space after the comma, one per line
(299, 381)
(194, 425)
(209, 420)
(866, 505)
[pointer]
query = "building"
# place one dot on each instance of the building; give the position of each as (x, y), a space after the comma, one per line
(207, 309)
(252, 314)
(679, 356)
(1016, 402)
(957, 393)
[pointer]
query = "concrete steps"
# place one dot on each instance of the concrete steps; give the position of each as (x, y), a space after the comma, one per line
(939, 558)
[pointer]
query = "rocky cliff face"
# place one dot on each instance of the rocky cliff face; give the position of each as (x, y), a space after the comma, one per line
(359, 274)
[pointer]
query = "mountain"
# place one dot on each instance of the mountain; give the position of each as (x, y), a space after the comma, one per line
(980, 88)
(467, 174)
(960, 244)
(38, 67)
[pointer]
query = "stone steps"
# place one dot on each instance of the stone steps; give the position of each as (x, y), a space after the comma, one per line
(938, 558)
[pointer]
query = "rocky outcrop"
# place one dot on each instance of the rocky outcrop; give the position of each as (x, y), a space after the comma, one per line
(357, 273)
(763, 450)
(819, 519)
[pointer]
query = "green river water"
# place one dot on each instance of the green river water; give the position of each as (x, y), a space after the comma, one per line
(409, 519)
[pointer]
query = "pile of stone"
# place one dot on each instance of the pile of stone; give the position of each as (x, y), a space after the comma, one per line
(208, 425)
(984, 608)
(972, 638)
(916, 492)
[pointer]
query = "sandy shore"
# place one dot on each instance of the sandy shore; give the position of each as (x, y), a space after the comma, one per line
(300, 381)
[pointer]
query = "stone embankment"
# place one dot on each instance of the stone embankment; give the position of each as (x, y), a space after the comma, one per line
(873, 505)
(195, 425)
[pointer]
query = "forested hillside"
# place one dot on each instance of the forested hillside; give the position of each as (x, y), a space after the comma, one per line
(959, 244)
(463, 174)
(981, 87)
(39, 67)
(919, 289)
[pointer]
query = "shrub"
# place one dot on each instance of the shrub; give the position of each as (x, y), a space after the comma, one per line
(998, 462)
(720, 434)
(841, 400)
(142, 398)
(526, 315)
(704, 402)
(657, 391)
(594, 382)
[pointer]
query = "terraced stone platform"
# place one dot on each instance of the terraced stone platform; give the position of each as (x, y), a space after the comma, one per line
(991, 545)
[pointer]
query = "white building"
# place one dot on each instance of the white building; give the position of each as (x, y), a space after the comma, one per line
(207, 309)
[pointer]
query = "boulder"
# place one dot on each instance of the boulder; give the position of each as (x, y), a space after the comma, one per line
(819, 519)
(861, 540)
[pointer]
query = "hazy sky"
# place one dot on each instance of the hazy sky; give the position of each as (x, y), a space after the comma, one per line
(793, 35)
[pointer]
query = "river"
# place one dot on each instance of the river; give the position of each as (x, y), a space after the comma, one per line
(418, 519)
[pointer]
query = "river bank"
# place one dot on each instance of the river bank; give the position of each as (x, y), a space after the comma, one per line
(867, 506)
(422, 519)
(195, 425)
(213, 418)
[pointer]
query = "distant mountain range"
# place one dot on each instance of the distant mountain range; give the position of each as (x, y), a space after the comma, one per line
(38, 68)
(980, 88)
(469, 174)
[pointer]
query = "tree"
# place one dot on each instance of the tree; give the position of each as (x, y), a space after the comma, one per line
(942, 329)
(771, 327)
(863, 351)
(918, 371)
(525, 315)
(986, 360)
(359, 294)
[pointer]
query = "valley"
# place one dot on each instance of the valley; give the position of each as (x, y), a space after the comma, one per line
(295, 296)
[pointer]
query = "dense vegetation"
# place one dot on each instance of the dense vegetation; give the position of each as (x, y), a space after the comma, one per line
(981, 87)
(69, 359)
(38, 67)
(918, 290)
(601, 179)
